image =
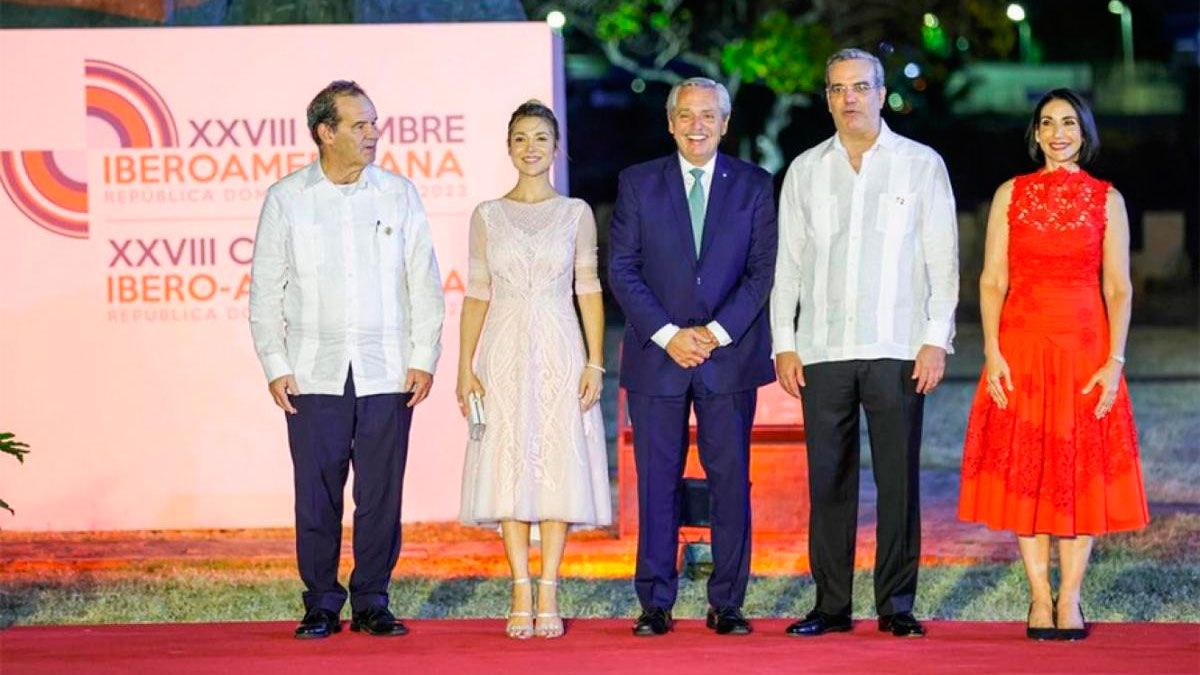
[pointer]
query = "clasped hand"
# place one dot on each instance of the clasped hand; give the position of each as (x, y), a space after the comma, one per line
(691, 347)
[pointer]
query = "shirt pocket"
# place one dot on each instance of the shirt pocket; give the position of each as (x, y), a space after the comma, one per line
(897, 212)
(389, 242)
(823, 220)
(308, 251)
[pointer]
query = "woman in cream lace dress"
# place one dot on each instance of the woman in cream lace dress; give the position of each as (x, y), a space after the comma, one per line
(542, 459)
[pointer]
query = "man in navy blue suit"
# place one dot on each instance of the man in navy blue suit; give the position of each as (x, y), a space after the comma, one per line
(693, 239)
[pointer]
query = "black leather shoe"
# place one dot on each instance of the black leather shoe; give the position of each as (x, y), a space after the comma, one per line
(819, 623)
(653, 621)
(1074, 634)
(377, 621)
(318, 623)
(901, 624)
(728, 621)
(1033, 633)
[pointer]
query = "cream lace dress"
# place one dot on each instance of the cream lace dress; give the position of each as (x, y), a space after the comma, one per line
(540, 457)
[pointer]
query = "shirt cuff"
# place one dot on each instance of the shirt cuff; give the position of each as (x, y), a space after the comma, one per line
(938, 333)
(276, 366)
(664, 335)
(423, 358)
(784, 342)
(723, 339)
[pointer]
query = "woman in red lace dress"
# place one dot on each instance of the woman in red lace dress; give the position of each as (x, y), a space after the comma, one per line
(1051, 448)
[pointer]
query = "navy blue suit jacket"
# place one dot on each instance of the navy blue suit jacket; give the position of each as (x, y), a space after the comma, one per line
(657, 279)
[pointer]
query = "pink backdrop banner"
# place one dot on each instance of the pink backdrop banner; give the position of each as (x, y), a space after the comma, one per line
(134, 163)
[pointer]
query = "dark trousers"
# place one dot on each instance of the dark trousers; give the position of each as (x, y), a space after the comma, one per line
(660, 444)
(327, 436)
(887, 393)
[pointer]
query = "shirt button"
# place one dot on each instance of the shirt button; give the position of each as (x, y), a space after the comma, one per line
(697, 281)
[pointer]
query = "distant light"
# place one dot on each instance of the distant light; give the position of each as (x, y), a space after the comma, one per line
(895, 101)
(912, 71)
(963, 44)
(556, 19)
(931, 20)
(1015, 12)
(638, 85)
(1116, 6)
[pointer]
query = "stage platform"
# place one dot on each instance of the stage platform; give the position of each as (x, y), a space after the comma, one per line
(592, 646)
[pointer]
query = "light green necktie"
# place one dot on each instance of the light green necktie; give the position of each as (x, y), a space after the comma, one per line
(696, 206)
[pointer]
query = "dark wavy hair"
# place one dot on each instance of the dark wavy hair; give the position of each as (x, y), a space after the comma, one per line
(534, 108)
(323, 108)
(1090, 145)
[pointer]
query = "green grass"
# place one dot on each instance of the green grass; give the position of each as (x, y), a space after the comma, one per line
(1120, 587)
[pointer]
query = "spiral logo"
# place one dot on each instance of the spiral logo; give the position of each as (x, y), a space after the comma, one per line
(122, 110)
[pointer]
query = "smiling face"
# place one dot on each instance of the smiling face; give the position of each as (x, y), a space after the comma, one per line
(531, 145)
(697, 124)
(854, 98)
(1059, 133)
(351, 144)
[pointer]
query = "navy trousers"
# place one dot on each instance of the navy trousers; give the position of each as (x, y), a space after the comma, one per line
(660, 443)
(327, 436)
(885, 390)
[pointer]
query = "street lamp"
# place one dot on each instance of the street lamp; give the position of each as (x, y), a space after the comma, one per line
(1016, 14)
(1122, 10)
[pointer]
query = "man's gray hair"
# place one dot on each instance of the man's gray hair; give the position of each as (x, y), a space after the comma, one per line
(723, 101)
(853, 54)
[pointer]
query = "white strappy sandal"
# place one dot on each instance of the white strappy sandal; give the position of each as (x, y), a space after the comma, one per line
(519, 626)
(548, 624)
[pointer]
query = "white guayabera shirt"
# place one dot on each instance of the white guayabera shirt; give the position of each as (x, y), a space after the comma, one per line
(345, 276)
(868, 260)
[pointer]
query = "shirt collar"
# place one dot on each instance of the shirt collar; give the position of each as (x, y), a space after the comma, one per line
(885, 139)
(686, 166)
(316, 176)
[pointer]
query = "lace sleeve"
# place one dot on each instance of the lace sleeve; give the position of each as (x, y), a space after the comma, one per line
(479, 277)
(587, 278)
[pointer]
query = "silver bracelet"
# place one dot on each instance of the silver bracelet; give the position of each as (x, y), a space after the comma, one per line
(1118, 358)
(596, 367)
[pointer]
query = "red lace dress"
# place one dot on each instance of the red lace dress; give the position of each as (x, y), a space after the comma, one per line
(1046, 465)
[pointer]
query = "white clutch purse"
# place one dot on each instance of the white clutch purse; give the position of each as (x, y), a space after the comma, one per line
(476, 420)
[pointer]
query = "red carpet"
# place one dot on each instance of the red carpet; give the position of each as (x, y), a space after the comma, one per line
(591, 646)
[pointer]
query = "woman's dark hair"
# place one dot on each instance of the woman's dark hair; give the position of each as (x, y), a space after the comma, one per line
(534, 108)
(1090, 145)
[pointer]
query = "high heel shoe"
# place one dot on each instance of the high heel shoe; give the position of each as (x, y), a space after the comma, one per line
(548, 624)
(1040, 633)
(1075, 634)
(519, 625)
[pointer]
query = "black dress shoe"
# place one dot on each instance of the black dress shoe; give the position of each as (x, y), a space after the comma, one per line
(728, 621)
(653, 621)
(1074, 634)
(377, 621)
(318, 623)
(901, 624)
(1039, 633)
(819, 623)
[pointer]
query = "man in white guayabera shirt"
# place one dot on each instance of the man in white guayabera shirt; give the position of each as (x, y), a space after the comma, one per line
(346, 311)
(862, 314)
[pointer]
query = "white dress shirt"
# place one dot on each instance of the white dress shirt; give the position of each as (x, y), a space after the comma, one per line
(345, 276)
(663, 335)
(869, 260)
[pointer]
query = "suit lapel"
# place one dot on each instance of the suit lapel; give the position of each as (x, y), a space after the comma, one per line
(683, 219)
(716, 202)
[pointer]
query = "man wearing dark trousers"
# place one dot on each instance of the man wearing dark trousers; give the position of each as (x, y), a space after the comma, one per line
(346, 312)
(692, 258)
(862, 315)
